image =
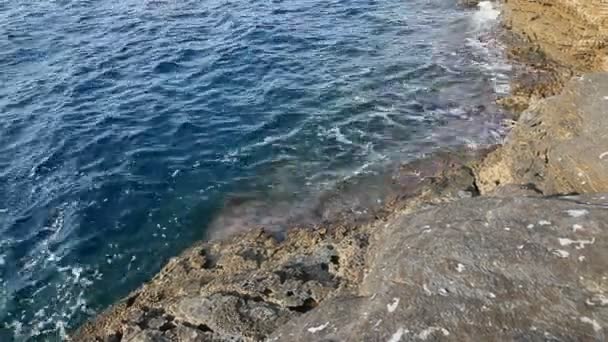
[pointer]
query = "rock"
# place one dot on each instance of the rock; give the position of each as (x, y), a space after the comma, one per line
(245, 287)
(468, 3)
(570, 32)
(482, 269)
(559, 145)
(231, 315)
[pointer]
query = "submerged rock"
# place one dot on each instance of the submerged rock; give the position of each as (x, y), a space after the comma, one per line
(482, 269)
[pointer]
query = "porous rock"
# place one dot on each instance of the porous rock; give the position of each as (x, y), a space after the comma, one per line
(482, 269)
(559, 145)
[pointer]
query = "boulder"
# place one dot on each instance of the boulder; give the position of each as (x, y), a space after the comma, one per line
(481, 269)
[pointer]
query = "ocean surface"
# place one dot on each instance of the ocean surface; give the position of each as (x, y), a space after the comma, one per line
(129, 128)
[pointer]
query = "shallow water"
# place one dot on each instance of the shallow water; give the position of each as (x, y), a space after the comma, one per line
(129, 129)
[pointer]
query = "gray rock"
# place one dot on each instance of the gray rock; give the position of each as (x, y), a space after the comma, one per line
(245, 287)
(517, 267)
(560, 144)
(483, 269)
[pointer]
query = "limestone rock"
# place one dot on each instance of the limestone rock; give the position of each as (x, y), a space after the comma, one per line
(482, 269)
(570, 32)
(559, 145)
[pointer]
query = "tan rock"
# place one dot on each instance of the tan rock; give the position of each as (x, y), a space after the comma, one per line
(571, 32)
(560, 144)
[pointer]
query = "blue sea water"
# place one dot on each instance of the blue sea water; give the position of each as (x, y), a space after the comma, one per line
(126, 126)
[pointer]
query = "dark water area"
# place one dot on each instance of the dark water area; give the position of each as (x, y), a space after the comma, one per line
(130, 129)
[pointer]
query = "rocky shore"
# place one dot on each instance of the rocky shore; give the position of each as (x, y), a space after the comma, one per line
(510, 245)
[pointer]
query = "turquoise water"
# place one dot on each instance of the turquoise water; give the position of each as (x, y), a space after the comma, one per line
(129, 129)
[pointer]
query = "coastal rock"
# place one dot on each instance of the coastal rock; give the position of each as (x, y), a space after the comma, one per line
(237, 289)
(433, 261)
(549, 42)
(560, 145)
(481, 269)
(245, 287)
(573, 33)
(495, 268)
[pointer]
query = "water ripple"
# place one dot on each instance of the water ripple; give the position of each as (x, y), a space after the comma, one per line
(124, 126)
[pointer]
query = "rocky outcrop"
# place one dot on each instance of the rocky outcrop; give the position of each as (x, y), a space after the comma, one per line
(552, 41)
(482, 269)
(245, 287)
(573, 33)
(560, 145)
(433, 260)
(237, 289)
(510, 268)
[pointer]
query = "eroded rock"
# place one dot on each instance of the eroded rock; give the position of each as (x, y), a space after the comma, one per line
(571, 32)
(559, 145)
(483, 269)
(245, 287)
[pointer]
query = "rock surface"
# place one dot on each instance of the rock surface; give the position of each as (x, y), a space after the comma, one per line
(573, 33)
(482, 269)
(560, 144)
(245, 287)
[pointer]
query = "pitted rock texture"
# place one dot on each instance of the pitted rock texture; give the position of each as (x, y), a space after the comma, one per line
(245, 287)
(560, 145)
(481, 269)
(573, 33)
(240, 289)
(550, 41)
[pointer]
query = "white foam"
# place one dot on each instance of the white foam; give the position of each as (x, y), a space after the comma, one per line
(487, 13)
(69, 302)
(274, 138)
(341, 138)
(492, 52)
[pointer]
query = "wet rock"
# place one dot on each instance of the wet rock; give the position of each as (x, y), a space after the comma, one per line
(478, 269)
(560, 145)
